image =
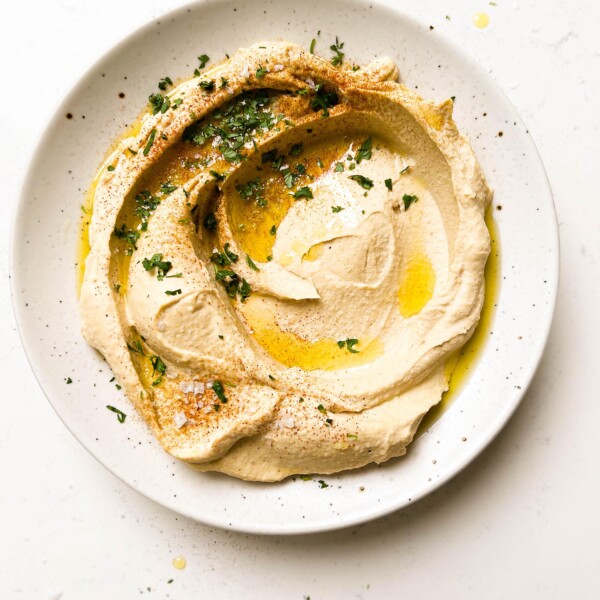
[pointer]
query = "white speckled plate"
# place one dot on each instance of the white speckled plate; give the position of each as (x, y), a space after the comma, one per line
(46, 226)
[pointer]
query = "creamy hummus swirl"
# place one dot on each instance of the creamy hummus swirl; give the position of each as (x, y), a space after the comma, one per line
(283, 260)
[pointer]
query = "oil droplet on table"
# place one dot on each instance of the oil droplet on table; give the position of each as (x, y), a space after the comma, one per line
(481, 20)
(179, 562)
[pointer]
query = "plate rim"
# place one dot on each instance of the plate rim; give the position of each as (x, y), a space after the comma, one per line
(359, 516)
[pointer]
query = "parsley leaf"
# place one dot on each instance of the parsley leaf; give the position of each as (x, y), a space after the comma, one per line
(173, 292)
(349, 343)
(121, 416)
(208, 85)
(364, 182)
(408, 200)
(364, 151)
(296, 149)
(388, 184)
(131, 236)
(210, 222)
(167, 187)
(218, 176)
(156, 262)
(203, 58)
(219, 391)
(261, 72)
(164, 82)
(323, 99)
(337, 209)
(338, 59)
(251, 263)
(303, 192)
(149, 142)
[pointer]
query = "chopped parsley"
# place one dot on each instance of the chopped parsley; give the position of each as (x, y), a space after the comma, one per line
(131, 236)
(233, 284)
(303, 192)
(218, 176)
(261, 72)
(68, 380)
(149, 142)
(210, 222)
(252, 190)
(145, 204)
(164, 83)
(251, 263)
(313, 43)
(322, 409)
(207, 85)
(323, 100)
(219, 391)
(289, 178)
(159, 103)
(173, 292)
(158, 366)
(110, 168)
(225, 258)
(224, 82)
(336, 48)
(388, 184)
(364, 182)
(337, 209)
(296, 149)
(234, 125)
(156, 262)
(121, 416)
(408, 200)
(349, 343)
(364, 151)
(203, 58)
(322, 484)
(339, 167)
(176, 103)
(405, 170)
(269, 157)
(273, 230)
(167, 187)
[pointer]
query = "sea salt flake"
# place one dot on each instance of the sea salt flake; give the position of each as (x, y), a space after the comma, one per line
(186, 387)
(180, 419)
(288, 422)
(278, 67)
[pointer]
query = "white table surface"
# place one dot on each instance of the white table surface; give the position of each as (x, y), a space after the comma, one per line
(521, 522)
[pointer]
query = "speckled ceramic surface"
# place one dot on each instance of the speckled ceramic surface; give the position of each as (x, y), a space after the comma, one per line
(45, 231)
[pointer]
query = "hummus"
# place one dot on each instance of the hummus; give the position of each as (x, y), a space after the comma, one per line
(283, 261)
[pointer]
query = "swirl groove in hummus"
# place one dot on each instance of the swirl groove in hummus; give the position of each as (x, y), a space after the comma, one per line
(283, 260)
